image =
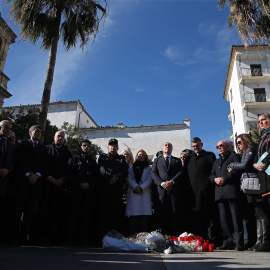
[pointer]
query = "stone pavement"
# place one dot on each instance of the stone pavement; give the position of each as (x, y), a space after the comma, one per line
(80, 258)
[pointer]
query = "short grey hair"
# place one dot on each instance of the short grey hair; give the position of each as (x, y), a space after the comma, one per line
(3, 123)
(32, 128)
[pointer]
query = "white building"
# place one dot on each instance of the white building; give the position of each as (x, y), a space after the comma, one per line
(247, 87)
(59, 112)
(148, 138)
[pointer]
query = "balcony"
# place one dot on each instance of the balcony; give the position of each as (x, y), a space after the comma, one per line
(257, 101)
(257, 74)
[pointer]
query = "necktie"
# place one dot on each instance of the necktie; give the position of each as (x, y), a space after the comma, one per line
(167, 162)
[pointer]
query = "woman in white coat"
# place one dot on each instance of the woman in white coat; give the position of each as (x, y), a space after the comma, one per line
(139, 206)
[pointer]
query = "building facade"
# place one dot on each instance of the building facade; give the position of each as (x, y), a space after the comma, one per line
(247, 87)
(148, 138)
(7, 37)
(59, 112)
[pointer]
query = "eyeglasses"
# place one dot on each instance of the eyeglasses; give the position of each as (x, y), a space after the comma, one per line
(85, 145)
(219, 146)
(239, 142)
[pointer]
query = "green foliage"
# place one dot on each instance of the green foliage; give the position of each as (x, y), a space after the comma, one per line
(73, 139)
(251, 18)
(38, 19)
(23, 121)
(255, 135)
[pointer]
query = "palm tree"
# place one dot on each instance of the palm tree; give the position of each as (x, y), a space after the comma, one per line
(71, 20)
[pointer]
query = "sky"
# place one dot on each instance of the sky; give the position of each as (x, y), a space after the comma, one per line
(154, 62)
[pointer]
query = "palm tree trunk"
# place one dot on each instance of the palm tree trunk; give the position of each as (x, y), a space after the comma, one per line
(49, 74)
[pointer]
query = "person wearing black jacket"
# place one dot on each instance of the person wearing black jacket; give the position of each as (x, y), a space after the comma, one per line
(202, 191)
(114, 171)
(264, 149)
(30, 164)
(54, 211)
(82, 186)
(6, 167)
(255, 201)
(227, 193)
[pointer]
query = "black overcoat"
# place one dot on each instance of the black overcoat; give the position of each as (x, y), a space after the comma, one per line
(202, 190)
(231, 187)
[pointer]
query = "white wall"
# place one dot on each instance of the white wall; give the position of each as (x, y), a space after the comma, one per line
(148, 138)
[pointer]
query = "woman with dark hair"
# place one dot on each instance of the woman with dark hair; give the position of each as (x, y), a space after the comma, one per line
(139, 193)
(264, 149)
(244, 145)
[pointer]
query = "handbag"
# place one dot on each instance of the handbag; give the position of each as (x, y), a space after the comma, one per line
(250, 185)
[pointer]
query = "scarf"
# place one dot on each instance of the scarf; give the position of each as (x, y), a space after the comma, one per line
(264, 144)
(138, 167)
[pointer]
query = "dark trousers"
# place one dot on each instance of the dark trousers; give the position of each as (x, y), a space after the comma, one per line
(138, 224)
(81, 214)
(53, 218)
(167, 211)
(110, 212)
(229, 213)
(26, 223)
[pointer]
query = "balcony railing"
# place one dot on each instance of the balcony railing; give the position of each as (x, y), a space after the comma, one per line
(247, 72)
(251, 97)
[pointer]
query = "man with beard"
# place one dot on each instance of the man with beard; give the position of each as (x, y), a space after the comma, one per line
(202, 191)
(83, 186)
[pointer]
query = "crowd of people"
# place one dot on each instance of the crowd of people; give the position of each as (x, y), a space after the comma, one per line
(49, 196)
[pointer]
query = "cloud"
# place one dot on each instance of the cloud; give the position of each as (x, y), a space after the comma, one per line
(137, 89)
(172, 53)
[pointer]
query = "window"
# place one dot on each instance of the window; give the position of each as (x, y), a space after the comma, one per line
(231, 94)
(233, 117)
(256, 70)
(259, 94)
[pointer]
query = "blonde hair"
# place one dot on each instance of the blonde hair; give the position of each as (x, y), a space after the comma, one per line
(131, 161)
(267, 116)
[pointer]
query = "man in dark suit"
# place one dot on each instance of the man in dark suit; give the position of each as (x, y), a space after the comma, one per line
(227, 195)
(202, 192)
(167, 173)
(6, 166)
(30, 161)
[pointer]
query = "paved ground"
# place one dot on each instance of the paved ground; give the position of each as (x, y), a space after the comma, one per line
(76, 258)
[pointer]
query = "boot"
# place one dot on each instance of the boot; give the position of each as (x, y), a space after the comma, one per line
(265, 246)
(259, 235)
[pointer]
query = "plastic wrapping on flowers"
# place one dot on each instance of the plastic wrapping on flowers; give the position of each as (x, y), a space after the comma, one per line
(155, 242)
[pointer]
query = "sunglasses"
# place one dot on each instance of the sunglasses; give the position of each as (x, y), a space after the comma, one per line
(239, 142)
(219, 146)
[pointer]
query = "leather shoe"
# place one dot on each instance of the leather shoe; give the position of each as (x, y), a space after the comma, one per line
(239, 248)
(226, 247)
